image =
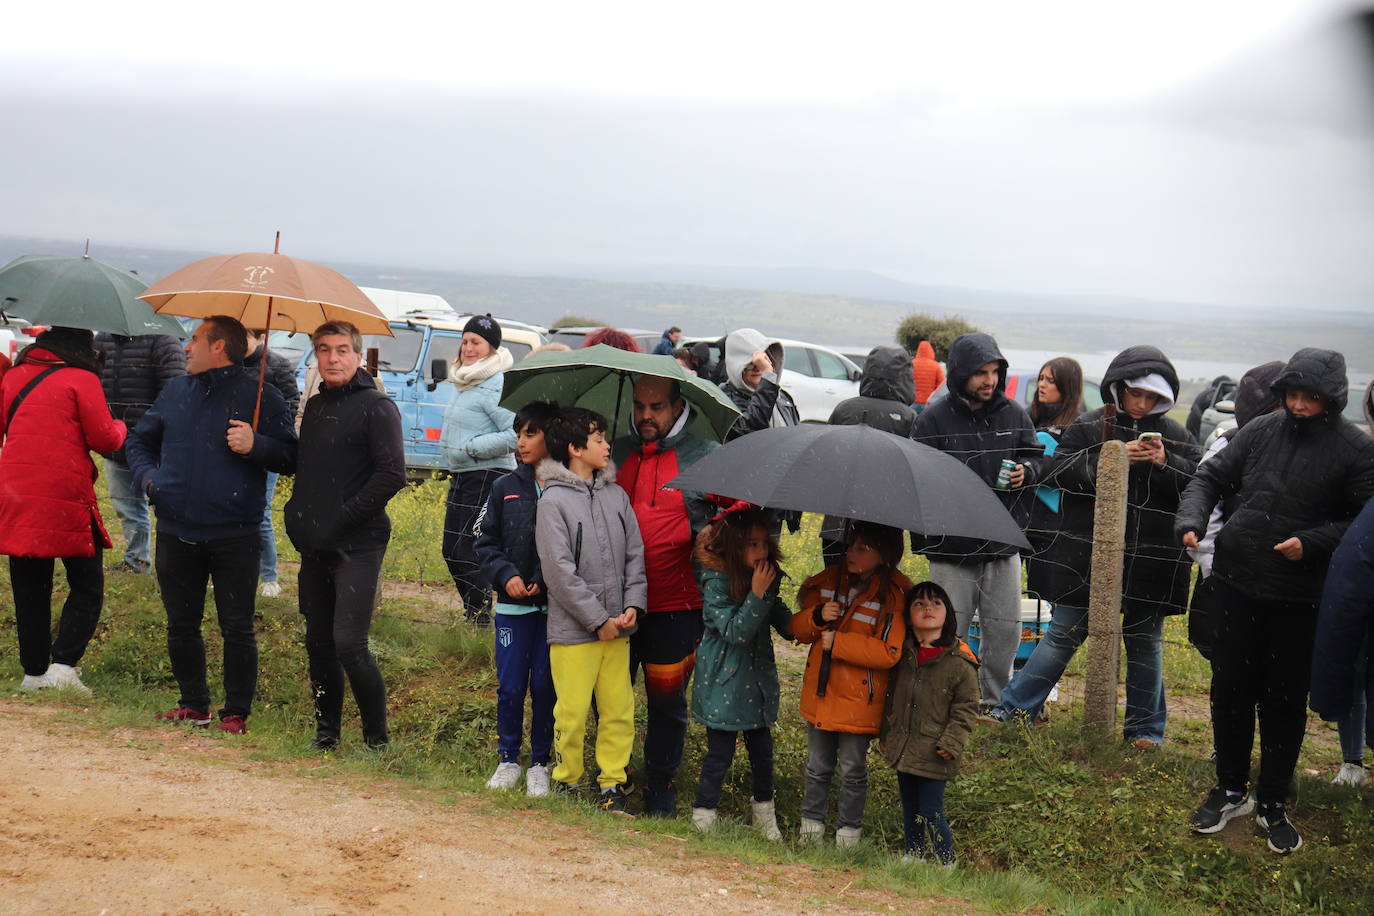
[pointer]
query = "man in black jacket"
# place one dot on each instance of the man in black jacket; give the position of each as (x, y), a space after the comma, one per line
(281, 374)
(978, 424)
(1301, 476)
(135, 370)
(884, 402)
(349, 464)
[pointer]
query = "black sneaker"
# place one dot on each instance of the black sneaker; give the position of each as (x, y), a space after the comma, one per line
(613, 802)
(660, 801)
(566, 790)
(1283, 836)
(1219, 808)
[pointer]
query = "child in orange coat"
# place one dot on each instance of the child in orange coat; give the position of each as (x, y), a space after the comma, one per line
(851, 615)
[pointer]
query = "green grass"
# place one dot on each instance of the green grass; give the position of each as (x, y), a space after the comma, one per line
(1046, 820)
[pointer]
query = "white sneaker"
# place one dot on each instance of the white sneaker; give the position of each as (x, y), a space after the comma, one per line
(1351, 774)
(848, 836)
(704, 819)
(507, 776)
(766, 820)
(811, 831)
(34, 682)
(536, 781)
(65, 677)
(270, 589)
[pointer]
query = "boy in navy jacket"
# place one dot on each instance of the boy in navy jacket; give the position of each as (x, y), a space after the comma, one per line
(505, 548)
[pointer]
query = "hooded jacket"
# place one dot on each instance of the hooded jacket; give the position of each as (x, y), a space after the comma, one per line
(478, 433)
(349, 463)
(1345, 623)
(505, 536)
(669, 520)
(201, 490)
(590, 552)
(766, 405)
(1294, 477)
(884, 400)
(135, 370)
(665, 346)
(930, 707)
(926, 374)
(981, 439)
(47, 498)
(735, 681)
(1155, 576)
(868, 642)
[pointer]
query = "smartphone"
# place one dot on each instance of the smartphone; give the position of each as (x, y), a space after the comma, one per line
(1150, 437)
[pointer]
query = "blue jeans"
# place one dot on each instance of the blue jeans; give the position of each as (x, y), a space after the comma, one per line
(923, 812)
(522, 665)
(132, 508)
(1142, 632)
(267, 562)
(1351, 725)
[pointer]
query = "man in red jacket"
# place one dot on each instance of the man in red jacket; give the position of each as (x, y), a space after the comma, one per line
(666, 641)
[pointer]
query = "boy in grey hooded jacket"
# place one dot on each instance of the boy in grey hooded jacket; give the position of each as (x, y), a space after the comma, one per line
(592, 558)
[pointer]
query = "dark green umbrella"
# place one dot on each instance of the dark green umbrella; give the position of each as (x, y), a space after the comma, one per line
(80, 293)
(602, 378)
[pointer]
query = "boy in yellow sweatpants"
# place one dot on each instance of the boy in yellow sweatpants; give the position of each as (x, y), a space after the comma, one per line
(592, 561)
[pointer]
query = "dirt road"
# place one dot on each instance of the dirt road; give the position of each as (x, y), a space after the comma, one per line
(144, 821)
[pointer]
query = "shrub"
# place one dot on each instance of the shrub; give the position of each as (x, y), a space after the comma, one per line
(941, 332)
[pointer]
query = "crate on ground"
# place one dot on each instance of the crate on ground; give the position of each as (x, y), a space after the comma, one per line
(1035, 620)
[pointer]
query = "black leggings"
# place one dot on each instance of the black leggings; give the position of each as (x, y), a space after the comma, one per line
(720, 750)
(467, 495)
(31, 580)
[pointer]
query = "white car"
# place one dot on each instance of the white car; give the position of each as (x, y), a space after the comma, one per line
(817, 377)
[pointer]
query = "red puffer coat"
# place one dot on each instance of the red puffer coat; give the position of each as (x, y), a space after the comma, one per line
(47, 493)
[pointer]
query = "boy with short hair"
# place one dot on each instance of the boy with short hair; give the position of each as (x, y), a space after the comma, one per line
(505, 548)
(592, 559)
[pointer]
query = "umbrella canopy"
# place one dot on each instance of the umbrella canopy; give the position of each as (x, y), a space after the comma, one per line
(266, 291)
(856, 472)
(79, 293)
(602, 378)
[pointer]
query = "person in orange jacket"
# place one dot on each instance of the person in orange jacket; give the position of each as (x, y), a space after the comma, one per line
(851, 615)
(927, 373)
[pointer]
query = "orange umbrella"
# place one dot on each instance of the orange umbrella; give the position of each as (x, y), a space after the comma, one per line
(265, 291)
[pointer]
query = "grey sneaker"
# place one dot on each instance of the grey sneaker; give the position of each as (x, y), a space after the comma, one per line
(34, 682)
(65, 677)
(507, 776)
(537, 781)
(1218, 810)
(1351, 774)
(1283, 836)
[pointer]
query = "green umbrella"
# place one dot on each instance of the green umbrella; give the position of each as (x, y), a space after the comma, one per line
(80, 293)
(602, 378)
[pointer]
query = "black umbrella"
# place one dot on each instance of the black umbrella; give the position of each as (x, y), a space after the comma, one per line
(856, 472)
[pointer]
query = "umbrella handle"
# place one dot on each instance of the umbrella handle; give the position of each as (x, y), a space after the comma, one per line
(262, 364)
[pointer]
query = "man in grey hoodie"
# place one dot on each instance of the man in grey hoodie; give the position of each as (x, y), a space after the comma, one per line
(753, 376)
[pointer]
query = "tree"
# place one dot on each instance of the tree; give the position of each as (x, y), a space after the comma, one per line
(939, 331)
(576, 321)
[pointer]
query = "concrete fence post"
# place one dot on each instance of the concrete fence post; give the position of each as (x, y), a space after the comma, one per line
(1104, 596)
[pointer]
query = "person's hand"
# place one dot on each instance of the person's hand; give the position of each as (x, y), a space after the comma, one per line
(608, 630)
(761, 361)
(1190, 540)
(626, 621)
(765, 574)
(516, 588)
(1157, 449)
(830, 611)
(1137, 451)
(943, 754)
(1291, 549)
(1018, 477)
(239, 437)
(828, 640)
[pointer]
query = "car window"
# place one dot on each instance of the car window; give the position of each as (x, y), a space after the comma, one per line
(828, 365)
(443, 346)
(798, 359)
(517, 349)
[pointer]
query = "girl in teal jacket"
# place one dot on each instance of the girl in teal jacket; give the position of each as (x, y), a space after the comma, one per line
(735, 686)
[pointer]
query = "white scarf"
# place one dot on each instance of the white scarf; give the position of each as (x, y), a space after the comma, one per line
(465, 377)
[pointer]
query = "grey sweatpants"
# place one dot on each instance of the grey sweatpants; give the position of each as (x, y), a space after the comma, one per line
(992, 588)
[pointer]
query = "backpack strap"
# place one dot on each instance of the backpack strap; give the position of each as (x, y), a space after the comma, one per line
(24, 392)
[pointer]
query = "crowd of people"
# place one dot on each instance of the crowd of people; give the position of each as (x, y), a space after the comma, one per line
(593, 574)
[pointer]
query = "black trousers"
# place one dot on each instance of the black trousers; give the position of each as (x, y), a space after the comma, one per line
(665, 645)
(338, 593)
(1261, 661)
(720, 751)
(183, 570)
(31, 581)
(467, 494)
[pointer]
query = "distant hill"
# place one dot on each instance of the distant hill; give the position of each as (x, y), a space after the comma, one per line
(842, 308)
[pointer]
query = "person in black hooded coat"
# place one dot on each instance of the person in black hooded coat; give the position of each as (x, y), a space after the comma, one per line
(1301, 476)
(1143, 385)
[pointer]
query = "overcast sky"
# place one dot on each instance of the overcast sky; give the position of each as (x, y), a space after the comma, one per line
(1200, 151)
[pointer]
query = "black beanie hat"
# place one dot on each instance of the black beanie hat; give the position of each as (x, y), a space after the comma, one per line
(485, 327)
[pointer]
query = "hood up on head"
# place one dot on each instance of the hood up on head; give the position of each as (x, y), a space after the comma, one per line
(1136, 364)
(924, 350)
(887, 376)
(740, 347)
(1255, 396)
(1318, 371)
(968, 354)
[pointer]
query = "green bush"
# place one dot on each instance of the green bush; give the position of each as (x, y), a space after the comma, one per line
(941, 332)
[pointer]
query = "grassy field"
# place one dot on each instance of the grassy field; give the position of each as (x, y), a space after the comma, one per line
(1045, 820)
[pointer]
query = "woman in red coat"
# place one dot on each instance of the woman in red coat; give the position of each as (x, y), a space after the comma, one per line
(47, 498)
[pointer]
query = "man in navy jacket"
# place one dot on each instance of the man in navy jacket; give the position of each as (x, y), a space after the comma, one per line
(205, 471)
